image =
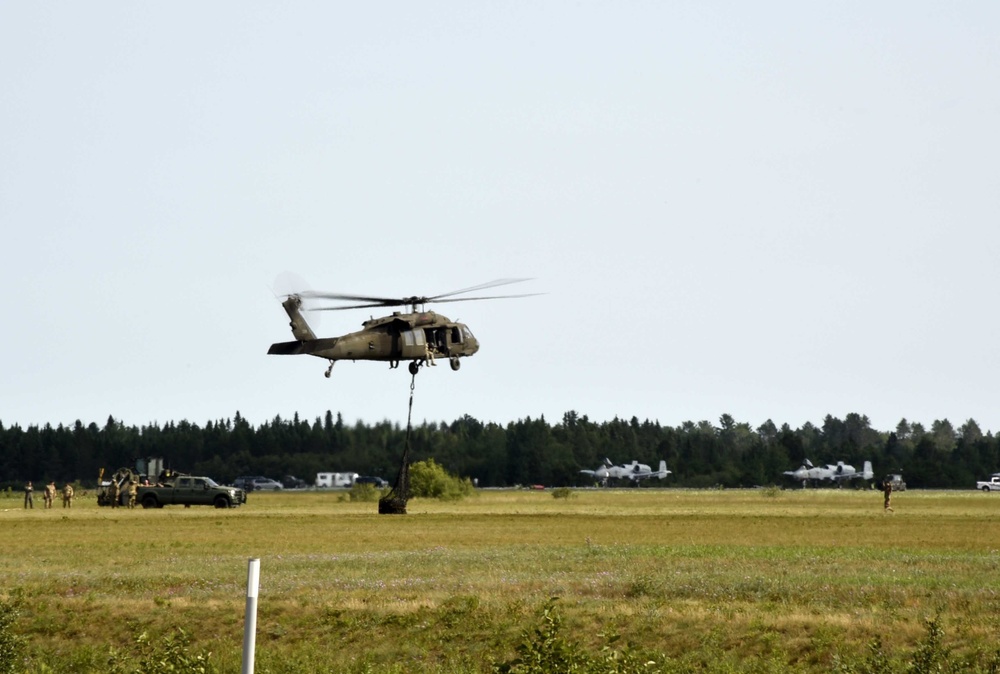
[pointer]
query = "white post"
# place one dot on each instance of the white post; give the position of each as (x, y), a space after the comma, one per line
(250, 620)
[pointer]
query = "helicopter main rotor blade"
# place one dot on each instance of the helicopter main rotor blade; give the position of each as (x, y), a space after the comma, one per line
(481, 286)
(369, 301)
(350, 306)
(379, 301)
(492, 297)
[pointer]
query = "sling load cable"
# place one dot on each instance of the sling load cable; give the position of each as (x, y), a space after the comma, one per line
(394, 503)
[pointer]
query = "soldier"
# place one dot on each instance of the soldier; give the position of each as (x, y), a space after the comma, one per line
(115, 493)
(68, 496)
(50, 494)
(29, 502)
(887, 491)
(133, 489)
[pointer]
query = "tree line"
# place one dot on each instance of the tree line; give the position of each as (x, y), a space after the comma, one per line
(525, 452)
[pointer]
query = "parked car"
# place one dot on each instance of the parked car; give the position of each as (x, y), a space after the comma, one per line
(266, 484)
(292, 482)
(378, 482)
(244, 482)
(256, 483)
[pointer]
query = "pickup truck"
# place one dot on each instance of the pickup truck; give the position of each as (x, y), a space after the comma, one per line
(993, 484)
(188, 490)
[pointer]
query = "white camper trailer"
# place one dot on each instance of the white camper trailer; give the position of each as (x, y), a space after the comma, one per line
(335, 479)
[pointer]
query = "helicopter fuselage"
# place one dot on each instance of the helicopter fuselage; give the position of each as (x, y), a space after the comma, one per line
(417, 337)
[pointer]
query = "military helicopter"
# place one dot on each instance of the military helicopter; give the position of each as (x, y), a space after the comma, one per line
(420, 336)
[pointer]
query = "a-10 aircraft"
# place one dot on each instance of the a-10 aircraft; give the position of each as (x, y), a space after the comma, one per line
(838, 474)
(635, 471)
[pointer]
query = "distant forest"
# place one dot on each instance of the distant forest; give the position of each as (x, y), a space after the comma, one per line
(526, 452)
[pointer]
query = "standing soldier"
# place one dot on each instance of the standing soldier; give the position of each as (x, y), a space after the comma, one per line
(133, 488)
(29, 502)
(887, 491)
(115, 493)
(50, 494)
(68, 496)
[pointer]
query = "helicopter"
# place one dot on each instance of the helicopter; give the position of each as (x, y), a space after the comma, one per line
(419, 336)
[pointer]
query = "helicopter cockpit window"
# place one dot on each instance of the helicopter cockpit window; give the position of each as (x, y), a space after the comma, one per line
(468, 333)
(456, 335)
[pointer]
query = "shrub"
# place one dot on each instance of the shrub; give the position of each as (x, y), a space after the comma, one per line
(931, 654)
(171, 653)
(544, 650)
(562, 492)
(430, 480)
(11, 645)
(364, 493)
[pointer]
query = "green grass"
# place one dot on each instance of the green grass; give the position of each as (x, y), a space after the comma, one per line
(690, 580)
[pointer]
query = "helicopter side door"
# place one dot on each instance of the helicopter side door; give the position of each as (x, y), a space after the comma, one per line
(414, 344)
(437, 338)
(395, 343)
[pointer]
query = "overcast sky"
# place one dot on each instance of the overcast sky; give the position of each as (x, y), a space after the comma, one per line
(775, 210)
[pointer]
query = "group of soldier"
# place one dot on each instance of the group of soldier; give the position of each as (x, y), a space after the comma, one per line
(50, 491)
(132, 488)
(49, 495)
(115, 490)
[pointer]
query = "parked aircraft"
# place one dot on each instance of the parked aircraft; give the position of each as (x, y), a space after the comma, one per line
(835, 473)
(635, 471)
(807, 471)
(843, 472)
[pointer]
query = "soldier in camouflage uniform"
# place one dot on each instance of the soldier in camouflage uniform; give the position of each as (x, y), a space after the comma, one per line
(68, 496)
(887, 491)
(50, 494)
(133, 489)
(29, 502)
(115, 494)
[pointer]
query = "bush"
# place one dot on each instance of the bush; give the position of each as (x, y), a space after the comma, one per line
(364, 493)
(543, 650)
(11, 645)
(170, 653)
(429, 480)
(562, 492)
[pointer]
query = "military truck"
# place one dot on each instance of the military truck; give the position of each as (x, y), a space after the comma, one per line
(171, 488)
(189, 490)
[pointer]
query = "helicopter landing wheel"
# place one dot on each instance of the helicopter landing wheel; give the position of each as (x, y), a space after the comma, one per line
(328, 370)
(455, 363)
(414, 367)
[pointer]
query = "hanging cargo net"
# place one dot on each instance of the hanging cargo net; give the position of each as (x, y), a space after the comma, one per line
(394, 503)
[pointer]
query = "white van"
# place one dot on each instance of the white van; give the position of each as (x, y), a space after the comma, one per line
(335, 479)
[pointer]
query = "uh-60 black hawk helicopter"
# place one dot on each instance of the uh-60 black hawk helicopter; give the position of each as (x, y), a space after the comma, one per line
(419, 336)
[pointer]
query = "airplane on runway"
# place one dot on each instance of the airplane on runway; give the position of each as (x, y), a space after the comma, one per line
(634, 471)
(838, 474)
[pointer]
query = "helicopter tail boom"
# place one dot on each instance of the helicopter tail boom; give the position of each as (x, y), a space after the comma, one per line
(310, 347)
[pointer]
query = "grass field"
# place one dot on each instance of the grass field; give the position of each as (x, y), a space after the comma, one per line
(755, 580)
